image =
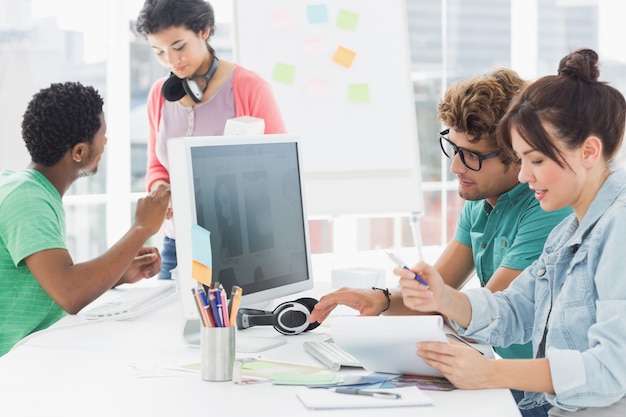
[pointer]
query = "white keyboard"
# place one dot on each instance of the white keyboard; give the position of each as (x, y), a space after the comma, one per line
(131, 302)
(331, 355)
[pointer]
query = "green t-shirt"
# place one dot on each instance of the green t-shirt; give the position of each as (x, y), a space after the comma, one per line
(511, 234)
(32, 219)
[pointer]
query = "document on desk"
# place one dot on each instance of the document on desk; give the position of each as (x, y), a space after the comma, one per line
(388, 344)
(329, 399)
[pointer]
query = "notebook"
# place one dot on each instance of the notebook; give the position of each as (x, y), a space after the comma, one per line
(328, 399)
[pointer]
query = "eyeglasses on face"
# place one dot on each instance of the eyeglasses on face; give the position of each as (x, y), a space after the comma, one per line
(472, 160)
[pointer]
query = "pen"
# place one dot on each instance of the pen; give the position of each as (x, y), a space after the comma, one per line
(213, 302)
(233, 307)
(375, 394)
(223, 306)
(205, 306)
(458, 339)
(401, 264)
(201, 309)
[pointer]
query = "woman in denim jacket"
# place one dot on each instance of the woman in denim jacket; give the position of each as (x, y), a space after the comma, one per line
(571, 302)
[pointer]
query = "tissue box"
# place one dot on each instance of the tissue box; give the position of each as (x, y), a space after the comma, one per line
(357, 278)
(244, 125)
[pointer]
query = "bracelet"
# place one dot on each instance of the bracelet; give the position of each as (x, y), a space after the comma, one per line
(386, 292)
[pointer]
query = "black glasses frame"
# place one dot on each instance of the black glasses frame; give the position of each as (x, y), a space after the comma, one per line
(461, 151)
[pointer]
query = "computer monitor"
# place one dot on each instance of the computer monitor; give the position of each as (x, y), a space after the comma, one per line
(247, 191)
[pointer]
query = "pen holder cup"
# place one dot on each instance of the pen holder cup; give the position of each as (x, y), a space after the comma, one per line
(217, 349)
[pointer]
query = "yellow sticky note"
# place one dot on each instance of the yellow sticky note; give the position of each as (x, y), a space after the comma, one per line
(359, 93)
(201, 273)
(284, 73)
(344, 57)
(347, 20)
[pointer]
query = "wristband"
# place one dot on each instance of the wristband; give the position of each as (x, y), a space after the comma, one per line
(386, 292)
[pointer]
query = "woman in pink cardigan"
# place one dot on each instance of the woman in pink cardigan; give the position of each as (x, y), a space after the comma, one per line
(200, 95)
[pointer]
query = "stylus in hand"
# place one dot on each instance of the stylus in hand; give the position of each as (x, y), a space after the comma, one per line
(465, 342)
(401, 264)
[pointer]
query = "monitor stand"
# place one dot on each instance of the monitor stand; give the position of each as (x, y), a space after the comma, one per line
(243, 343)
(191, 332)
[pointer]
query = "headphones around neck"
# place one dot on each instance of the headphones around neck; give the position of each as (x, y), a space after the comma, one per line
(288, 318)
(175, 88)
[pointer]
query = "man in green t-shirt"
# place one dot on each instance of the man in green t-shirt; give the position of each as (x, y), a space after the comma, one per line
(501, 230)
(65, 133)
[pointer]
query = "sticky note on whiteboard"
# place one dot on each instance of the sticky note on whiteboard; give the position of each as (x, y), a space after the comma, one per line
(317, 13)
(202, 262)
(282, 19)
(347, 20)
(344, 56)
(359, 93)
(284, 73)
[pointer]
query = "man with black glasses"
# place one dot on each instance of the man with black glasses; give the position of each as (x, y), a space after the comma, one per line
(501, 230)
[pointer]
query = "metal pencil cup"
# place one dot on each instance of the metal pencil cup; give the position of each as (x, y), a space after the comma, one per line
(217, 346)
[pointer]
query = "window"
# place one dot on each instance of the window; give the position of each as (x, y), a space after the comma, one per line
(44, 41)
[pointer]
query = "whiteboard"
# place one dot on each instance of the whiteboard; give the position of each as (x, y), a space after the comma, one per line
(340, 71)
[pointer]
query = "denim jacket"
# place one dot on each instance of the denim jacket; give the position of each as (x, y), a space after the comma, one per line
(578, 288)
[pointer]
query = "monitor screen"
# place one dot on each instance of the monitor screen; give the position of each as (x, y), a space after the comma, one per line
(247, 192)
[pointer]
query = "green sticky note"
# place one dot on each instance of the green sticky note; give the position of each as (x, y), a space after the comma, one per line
(284, 73)
(359, 93)
(347, 20)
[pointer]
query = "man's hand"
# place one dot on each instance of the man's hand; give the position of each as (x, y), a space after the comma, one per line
(367, 302)
(146, 264)
(152, 209)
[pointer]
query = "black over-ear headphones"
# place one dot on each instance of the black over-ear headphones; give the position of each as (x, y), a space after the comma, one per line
(288, 318)
(175, 88)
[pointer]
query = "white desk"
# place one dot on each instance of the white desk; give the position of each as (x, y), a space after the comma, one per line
(79, 368)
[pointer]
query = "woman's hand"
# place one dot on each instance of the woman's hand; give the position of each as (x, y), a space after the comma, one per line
(417, 296)
(462, 365)
(436, 297)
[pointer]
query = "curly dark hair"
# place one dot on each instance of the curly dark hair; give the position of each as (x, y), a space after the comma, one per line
(475, 106)
(59, 117)
(156, 15)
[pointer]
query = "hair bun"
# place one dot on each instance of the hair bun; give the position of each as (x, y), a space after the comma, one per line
(582, 63)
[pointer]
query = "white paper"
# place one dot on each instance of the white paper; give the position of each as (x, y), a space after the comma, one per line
(389, 343)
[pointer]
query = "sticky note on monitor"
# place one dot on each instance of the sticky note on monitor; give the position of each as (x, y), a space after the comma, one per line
(202, 262)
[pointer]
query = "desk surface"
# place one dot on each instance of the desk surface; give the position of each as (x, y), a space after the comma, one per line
(120, 368)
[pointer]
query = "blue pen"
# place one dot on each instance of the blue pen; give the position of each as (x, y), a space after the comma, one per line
(213, 301)
(401, 264)
(206, 306)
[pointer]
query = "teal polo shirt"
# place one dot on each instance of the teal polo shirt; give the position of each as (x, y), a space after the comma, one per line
(511, 234)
